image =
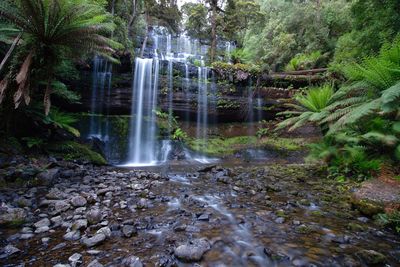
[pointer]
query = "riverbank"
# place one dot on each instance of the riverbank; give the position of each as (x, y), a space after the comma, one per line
(276, 215)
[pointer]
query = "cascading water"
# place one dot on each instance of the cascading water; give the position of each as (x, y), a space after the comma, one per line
(142, 138)
(101, 89)
(229, 47)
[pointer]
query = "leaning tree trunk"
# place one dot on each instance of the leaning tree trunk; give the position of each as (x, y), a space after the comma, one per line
(9, 52)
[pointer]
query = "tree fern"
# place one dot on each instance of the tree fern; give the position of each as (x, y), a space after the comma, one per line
(53, 30)
(391, 98)
(310, 107)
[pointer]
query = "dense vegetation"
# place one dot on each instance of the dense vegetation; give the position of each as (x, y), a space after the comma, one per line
(42, 42)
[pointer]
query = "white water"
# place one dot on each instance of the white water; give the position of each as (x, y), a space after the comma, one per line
(144, 146)
(101, 89)
(142, 138)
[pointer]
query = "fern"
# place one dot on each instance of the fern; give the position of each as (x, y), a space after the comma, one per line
(391, 98)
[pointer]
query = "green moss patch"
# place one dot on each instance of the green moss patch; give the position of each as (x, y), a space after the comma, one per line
(70, 150)
(229, 146)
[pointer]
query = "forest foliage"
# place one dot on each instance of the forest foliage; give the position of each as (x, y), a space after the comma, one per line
(43, 41)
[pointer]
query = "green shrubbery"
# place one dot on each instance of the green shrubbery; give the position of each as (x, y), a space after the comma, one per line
(361, 120)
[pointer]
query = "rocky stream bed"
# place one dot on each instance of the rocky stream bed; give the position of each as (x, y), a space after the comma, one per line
(276, 215)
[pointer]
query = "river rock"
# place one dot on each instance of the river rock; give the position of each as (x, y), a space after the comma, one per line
(42, 223)
(56, 194)
(193, 251)
(12, 216)
(371, 257)
(78, 201)
(61, 206)
(142, 203)
(94, 240)
(128, 230)
(95, 263)
(79, 224)
(94, 216)
(48, 176)
(75, 259)
(132, 261)
(72, 235)
(104, 230)
(8, 250)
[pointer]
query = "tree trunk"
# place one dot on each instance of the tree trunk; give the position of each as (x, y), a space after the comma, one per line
(214, 6)
(9, 52)
(145, 37)
(132, 18)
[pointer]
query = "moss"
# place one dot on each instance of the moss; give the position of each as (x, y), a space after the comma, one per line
(303, 229)
(355, 227)
(367, 207)
(289, 144)
(70, 150)
(16, 223)
(221, 146)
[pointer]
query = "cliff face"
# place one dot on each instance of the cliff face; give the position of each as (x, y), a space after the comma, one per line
(229, 100)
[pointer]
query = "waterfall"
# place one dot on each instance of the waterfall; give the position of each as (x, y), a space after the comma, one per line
(229, 47)
(101, 79)
(202, 109)
(144, 146)
(142, 138)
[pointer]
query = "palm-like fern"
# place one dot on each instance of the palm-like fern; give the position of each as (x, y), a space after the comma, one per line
(52, 30)
(310, 107)
(374, 87)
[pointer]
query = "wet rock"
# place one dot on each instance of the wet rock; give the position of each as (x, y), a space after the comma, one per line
(371, 257)
(78, 201)
(79, 224)
(61, 206)
(94, 216)
(42, 229)
(95, 263)
(26, 236)
(72, 235)
(12, 216)
(132, 261)
(8, 250)
(276, 256)
(75, 259)
(207, 168)
(67, 174)
(204, 217)
(104, 230)
(193, 251)
(367, 207)
(224, 179)
(280, 220)
(48, 176)
(128, 230)
(56, 194)
(59, 246)
(142, 204)
(94, 240)
(42, 223)
(57, 220)
(341, 239)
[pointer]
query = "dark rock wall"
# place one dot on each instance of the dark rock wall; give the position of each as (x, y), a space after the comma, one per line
(229, 103)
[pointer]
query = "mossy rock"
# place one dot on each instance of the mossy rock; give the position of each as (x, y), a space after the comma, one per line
(371, 257)
(70, 150)
(355, 227)
(367, 207)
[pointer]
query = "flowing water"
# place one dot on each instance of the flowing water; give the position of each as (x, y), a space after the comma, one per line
(101, 88)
